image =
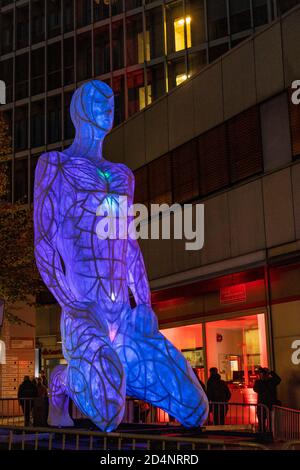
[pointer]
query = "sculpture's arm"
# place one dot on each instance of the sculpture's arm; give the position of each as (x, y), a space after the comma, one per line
(137, 279)
(46, 222)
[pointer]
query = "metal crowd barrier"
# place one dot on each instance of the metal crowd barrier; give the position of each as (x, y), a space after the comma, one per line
(291, 445)
(239, 416)
(24, 411)
(27, 438)
(285, 423)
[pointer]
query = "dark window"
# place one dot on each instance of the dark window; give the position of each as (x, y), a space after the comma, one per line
(160, 184)
(217, 19)
(101, 10)
(119, 91)
(185, 172)
(156, 82)
(116, 7)
(21, 89)
(195, 11)
(213, 160)
(84, 56)
(21, 128)
(131, 4)
(53, 17)
(38, 71)
(240, 16)
(154, 33)
(245, 146)
(294, 111)
(37, 21)
(6, 2)
(83, 13)
(135, 40)
(102, 50)
(6, 32)
(217, 51)
(37, 123)
(69, 130)
(22, 31)
(54, 66)
(68, 6)
(260, 12)
(54, 119)
(21, 180)
(117, 45)
(68, 61)
(141, 192)
(285, 5)
(196, 62)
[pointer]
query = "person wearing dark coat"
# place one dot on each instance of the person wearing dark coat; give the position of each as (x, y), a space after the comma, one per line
(266, 389)
(26, 393)
(219, 394)
(199, 380)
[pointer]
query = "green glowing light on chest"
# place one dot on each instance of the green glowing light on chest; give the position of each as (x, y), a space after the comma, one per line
(103, 174)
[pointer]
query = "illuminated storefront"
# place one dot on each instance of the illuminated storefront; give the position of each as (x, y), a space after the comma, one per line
(235, 345)
(220, 323)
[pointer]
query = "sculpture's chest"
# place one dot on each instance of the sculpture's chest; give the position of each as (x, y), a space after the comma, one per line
(92, 178)
(88, 187)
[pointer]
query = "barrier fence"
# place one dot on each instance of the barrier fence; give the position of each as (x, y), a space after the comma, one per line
(239, 416)
(285, 424)
(27, 438)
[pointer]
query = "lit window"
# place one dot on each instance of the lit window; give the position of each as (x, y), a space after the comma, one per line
(142, 96)
(141, 55)
(179, 33)
(181, 78)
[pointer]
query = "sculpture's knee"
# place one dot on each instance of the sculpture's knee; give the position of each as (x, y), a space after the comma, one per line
(96, 383)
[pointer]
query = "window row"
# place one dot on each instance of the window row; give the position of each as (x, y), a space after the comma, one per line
(185, 22)
(222, 156)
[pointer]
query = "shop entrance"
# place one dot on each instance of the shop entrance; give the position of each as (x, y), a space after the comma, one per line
(237, 346)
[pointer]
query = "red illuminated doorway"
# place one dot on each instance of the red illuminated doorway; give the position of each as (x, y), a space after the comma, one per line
(237, 346)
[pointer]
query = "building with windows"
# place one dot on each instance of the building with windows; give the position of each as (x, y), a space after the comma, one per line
(203, 114)
(142, 48)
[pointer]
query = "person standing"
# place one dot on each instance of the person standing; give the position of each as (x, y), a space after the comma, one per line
(44, 378)
(266, 388)
(26, 393)
(219, 394)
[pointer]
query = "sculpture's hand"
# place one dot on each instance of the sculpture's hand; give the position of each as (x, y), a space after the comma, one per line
(137, 279)
(144, 320)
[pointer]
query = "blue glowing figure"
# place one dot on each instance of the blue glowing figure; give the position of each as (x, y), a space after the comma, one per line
(111, 349)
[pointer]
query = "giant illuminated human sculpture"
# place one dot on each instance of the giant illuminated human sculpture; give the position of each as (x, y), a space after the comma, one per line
(111, 349)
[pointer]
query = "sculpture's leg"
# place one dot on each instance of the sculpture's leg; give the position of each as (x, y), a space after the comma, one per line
(59, 400)
(95, 375)
(157, 372)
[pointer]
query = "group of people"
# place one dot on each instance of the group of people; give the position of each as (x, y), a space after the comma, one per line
(218, 394)
(33, 399)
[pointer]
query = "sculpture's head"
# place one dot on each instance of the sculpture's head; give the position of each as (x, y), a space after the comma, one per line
(92, 106)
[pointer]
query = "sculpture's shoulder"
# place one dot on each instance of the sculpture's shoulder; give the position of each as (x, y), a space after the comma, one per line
(49, 164)
(123, 169)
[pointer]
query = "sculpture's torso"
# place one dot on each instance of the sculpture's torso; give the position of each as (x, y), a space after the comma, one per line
(95, 268)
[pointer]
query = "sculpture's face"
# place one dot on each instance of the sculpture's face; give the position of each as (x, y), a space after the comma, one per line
(103, 111)
(93, 106)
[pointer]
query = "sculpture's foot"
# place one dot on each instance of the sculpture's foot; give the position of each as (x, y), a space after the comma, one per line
(58, 415)
(157, 372)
